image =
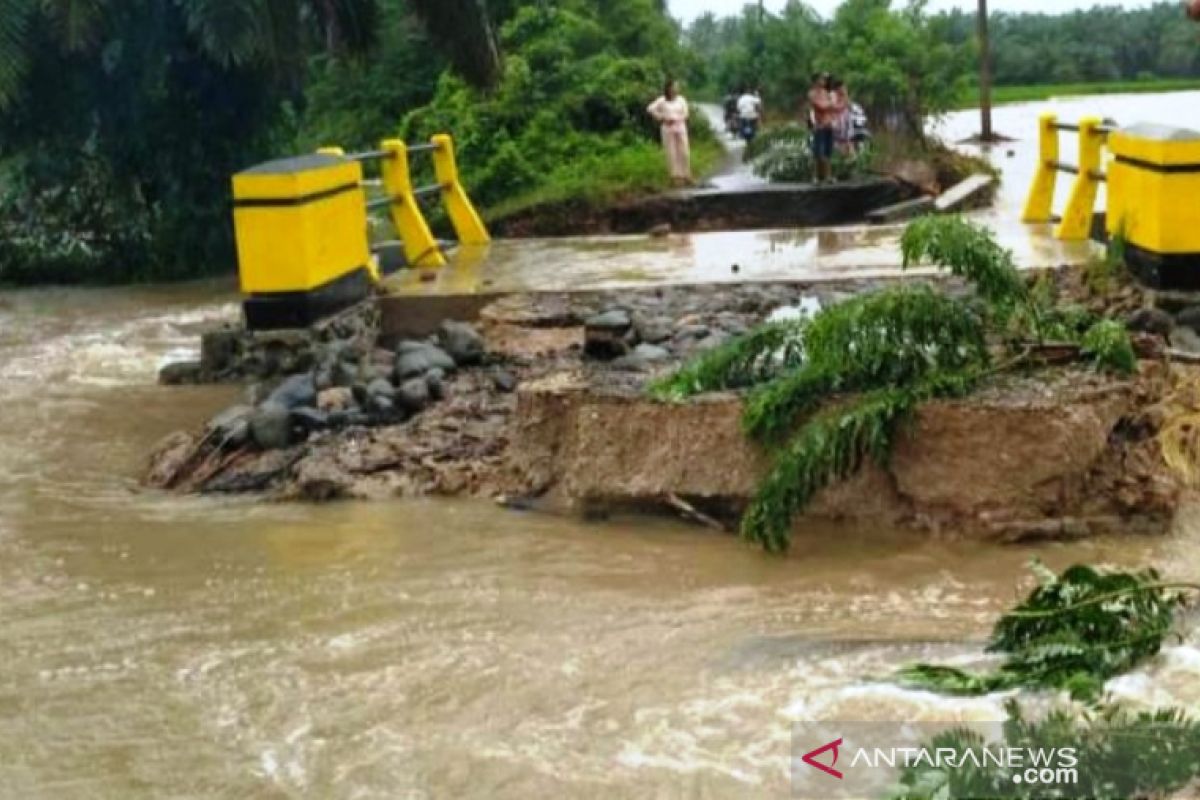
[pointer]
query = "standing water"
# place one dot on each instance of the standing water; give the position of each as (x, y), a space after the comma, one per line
(158, 646)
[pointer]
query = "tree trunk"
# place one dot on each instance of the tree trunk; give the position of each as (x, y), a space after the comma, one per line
(464, 30)
(985, 75)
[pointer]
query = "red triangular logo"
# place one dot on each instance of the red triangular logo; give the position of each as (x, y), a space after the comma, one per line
(811, 758)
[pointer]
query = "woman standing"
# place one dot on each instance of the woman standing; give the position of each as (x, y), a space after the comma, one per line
(671, 111)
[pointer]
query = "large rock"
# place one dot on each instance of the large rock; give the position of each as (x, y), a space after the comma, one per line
(381, 396)
(643, 357)
(181, 373)
(462, 342)
(413, 395)
(1189, 318)
(608, 335)
(232, 426)
(1151, 320)
(295, 392)
(414, 359)
(271, 426)
(219, 350)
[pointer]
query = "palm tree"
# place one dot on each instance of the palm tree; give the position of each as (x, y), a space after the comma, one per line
(237, 32)
(464, 30)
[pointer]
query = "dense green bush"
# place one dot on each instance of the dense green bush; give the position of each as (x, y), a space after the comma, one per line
(568, 118)
(783, 154)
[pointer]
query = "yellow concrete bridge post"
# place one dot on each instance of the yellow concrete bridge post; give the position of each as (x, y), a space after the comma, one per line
(1077, 217)
(420, 248)
(466, 220)
(1041, 194)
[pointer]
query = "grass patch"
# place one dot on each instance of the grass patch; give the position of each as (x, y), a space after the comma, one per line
(632, 172)
(1023, 94)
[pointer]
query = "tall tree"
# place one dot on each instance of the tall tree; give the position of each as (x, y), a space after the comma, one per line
(464, 28)
(985, 75)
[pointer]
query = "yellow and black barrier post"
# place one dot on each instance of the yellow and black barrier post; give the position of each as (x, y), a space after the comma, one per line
(1154, 183)
(302, 247)
(301, 227)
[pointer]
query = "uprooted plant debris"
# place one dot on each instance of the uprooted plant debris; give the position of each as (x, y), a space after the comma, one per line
(1117, 753)
(878, 356)
(1073, 632)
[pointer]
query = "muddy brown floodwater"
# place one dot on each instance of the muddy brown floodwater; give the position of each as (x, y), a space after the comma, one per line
(159, 646)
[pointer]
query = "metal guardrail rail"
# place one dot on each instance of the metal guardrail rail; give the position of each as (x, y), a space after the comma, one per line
(421, 249)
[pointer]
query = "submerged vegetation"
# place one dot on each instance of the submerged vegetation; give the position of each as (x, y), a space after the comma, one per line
(827, 392)
(1073, 632)
(1120, 754)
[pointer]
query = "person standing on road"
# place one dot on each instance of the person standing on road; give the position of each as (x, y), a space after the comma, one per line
(731, 113)
(749, 108)
(671, 112)
(839, 95)
(824, 114)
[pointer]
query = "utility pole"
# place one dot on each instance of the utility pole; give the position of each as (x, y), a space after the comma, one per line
(985, 74)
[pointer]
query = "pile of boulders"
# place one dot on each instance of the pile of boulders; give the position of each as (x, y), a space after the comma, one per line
(348, 388)
(638, 342)
(231, 353)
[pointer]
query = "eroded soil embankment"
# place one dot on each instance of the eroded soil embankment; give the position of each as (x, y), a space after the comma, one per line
(554, 413)
(774, 206)
(1064, 454)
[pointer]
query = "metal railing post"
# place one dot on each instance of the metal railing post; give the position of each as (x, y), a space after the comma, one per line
(420, 248)
(1077, 217)
(463, 216)
(1041, 194)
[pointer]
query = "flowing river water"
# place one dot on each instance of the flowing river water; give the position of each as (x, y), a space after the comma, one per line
(157, 646)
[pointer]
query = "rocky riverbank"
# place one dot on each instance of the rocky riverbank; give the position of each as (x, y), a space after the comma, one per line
(432, 416)
(541, 401)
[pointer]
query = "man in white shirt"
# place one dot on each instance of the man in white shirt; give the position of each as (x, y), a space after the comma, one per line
(749, 107)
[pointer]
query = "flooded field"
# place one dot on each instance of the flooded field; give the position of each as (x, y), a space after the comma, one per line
(155, 646)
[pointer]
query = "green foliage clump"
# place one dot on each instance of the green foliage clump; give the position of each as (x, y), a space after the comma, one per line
(568, 118)
(762, 354)
(1073, 632)
(1107, 343)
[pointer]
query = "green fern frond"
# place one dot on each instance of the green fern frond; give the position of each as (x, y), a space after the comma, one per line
(968, 251)
(889, 338)
(831, 446)
(758, 356)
